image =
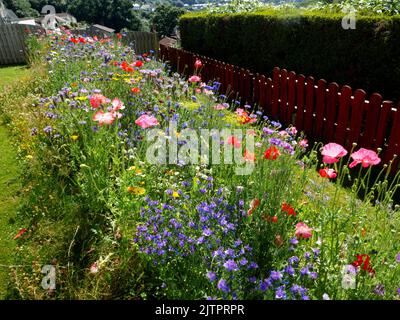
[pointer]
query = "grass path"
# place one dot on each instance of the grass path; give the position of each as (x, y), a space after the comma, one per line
(9, 187)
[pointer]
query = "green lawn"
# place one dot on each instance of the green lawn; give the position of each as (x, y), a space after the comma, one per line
(10, 74)
(9, 186)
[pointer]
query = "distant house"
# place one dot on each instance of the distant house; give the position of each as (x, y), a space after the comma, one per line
(100, 30)
(60, 19)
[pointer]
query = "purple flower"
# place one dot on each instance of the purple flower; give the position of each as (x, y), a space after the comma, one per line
(48, 129)
(268, 130)
(253, 265)
(34, 132)
(266, 284)
(307, 255)
(231, 265)
(313, 275)
(293, 260)
(243, 262)
(211, 276)
(207, 232)
(289, 270)
(276, 275)
(398, 292)
(379, 290)
(280, 293)
(398, 258)
(223, 286)
(294, 241)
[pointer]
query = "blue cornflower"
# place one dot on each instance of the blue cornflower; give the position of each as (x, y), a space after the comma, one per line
(268, 130)
(304, 271)
(280, 293)
(231, 265)
(293, 260)
(211, 276)
(243, 262)
(48, 129)
(223, 286)
(379, 290)
(290, 270)
(276, 275)
(294, 241)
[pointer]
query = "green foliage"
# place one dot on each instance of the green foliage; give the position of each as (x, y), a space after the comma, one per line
(308, 42)
(116, 14)
(165, 19)
(22, 8)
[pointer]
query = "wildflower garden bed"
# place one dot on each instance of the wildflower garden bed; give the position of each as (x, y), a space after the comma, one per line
(118, 220)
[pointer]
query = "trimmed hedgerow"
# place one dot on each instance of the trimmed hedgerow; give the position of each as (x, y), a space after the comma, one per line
(312, 43)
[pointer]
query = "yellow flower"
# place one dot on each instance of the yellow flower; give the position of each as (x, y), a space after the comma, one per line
(138, 171)
(137, 191)
(82, 98)
(29, 157)
(132, 168)
(74, 137)
(175, 194)
(178, 134)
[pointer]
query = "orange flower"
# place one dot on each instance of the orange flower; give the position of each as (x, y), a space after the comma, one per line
(135, 90)
(20, 234)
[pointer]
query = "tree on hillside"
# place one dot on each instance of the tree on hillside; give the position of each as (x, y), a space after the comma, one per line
(22, 8)
(116, 14)
(165, 19)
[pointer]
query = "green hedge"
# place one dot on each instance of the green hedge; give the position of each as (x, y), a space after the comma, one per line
(312, 43)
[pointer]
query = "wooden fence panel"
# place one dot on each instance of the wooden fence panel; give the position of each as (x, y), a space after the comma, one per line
(13, 48)
(323, 112)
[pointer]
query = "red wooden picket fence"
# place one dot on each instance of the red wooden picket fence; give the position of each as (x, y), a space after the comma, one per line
(325, 111)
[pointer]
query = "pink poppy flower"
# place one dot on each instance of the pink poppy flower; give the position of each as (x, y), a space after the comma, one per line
(198, 64)
(332, 152)
(365, 157)
(328, 173)
(248, 156)
(293, 130)
(94, 268)
(97, 100)
(303, 231)
(219, 107)
(283, 133)
(117, 105)
(104, 117)
(241, 112)
(233, 141)
(145, 121)
(253, 206)
(303, 143)
(194, 79)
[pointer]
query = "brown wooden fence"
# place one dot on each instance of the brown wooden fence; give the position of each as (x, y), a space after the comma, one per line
(12, 42)
(325, 111)
(143, 42)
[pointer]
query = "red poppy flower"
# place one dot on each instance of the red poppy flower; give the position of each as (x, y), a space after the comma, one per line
(82, 40)
(274, 219)
(288, 209)
(364, 263)
(135, 90)
(119, 36)
(232, 140)
(138, 64)
(272, 153)
(20, 234)
(328, 173)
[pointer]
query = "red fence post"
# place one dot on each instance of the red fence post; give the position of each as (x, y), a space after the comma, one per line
(357, 115)
(343, 117)
(300, 91)
(331, 112)
(309, 114)
(275, 93)
(320, 108)
(291, 97)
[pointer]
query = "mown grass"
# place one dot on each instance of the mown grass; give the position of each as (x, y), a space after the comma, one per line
(9, 74)
(9, 185)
